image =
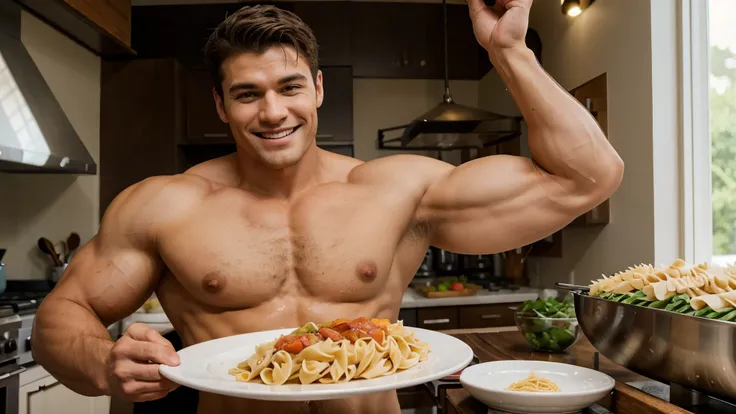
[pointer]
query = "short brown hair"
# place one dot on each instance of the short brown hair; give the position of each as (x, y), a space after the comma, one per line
(256, 29)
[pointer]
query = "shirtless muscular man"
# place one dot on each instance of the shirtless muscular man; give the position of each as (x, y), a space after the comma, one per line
(281, 232)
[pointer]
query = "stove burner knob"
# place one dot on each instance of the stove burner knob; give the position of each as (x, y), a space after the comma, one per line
(10, 346)
(28, 344)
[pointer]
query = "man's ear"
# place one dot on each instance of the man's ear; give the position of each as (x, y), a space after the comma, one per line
(319, 86)
(219, 105)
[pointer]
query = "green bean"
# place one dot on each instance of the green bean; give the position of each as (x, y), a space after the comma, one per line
(661, 303)
(729, 316)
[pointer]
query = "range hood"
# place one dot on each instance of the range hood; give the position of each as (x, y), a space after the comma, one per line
(35, 133)
(450, 125)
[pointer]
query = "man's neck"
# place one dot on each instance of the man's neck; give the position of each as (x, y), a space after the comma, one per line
(281, 183)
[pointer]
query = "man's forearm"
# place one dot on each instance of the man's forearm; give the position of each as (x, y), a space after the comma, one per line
(72, 345)
(564, 138)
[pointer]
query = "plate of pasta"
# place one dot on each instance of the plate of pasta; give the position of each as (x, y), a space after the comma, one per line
(320, 360)
(535, 386)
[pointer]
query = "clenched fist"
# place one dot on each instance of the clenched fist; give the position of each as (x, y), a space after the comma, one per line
(132, 366)
(502, 26)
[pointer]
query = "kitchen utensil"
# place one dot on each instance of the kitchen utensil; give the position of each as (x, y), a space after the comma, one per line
(691, 351)
(64, 251)
(447, 262)
(72, 243)
(57, 272)
(426, 269)
(47, 247)
(579, 387)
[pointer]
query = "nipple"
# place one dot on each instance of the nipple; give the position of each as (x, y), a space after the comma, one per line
(213, 282)
(367, 270)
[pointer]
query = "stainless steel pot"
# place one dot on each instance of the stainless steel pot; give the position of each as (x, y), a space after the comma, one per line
(691, 351)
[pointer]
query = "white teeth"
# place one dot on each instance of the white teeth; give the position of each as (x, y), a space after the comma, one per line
(279, 135)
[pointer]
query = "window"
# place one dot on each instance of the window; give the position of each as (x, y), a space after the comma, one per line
(722, 124)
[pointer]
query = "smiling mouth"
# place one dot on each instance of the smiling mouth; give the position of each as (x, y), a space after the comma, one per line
(277, 135)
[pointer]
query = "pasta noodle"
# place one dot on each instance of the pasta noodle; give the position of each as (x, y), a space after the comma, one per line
(338, 351)
(533, 383)
(660, 283)
(706, 287)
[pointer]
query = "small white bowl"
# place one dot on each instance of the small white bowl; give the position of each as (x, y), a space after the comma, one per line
(579, 387)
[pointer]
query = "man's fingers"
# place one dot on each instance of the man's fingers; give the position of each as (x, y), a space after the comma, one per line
(143, 332)
(150, 396)
(137, 331)
(130, 370)
(150, 372)
(153, 352)
(144, 387)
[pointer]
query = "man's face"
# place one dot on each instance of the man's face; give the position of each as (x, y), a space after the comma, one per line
(270, 101)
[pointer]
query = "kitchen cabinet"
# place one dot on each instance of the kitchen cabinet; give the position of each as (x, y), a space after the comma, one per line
(331, 26)
(202, 122)
(102, 26)
(44, 394)
(180, 31)
(439, 318)
(139, 113)
(336, 113)
(378, 39)
(486, 316)
(397, 40)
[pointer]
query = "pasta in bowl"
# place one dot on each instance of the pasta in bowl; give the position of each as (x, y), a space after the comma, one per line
(338, 351)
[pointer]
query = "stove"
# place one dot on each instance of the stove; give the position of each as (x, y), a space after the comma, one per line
(20, 303)
(17, 310)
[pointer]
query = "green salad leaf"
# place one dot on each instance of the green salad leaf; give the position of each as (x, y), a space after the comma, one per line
(549, 308)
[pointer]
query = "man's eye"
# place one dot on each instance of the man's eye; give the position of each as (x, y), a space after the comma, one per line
(291, 88)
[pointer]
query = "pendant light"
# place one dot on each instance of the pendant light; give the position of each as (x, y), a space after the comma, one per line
(450, 125)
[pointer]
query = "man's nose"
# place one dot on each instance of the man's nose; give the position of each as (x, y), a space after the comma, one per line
(273, 110)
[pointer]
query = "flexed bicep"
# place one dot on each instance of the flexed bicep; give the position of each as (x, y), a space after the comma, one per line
(498, 203)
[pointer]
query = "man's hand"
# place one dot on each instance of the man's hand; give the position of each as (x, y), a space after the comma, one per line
(502, 26)
(133, 365)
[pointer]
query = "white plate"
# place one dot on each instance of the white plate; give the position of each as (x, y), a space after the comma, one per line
(205, 366)
(579, 387)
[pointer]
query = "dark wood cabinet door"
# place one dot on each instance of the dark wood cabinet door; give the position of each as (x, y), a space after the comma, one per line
(377, 40)
(330, 22)
(438, 318)
(336, 112)
(465, 54)
(406, 41)
(202, 123)
(486, 316)
(138, 116)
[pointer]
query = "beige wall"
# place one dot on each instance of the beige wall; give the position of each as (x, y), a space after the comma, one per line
(575, 51)
(383, 103)
(53, 205)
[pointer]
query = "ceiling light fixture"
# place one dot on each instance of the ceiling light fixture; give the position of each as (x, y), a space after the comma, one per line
(574, 8)
(449, 125)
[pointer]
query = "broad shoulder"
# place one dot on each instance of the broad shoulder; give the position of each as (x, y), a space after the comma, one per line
(145, 206)
(404, 171)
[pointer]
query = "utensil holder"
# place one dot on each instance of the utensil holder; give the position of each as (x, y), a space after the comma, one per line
(57, 272)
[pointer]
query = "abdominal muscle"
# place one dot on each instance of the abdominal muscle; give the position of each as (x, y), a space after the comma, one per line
(197, 322)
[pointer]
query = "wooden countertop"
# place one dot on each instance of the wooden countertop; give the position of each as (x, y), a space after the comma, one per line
(511, 345)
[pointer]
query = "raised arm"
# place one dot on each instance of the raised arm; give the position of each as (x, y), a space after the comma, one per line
(498, 203)
(107, 280)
